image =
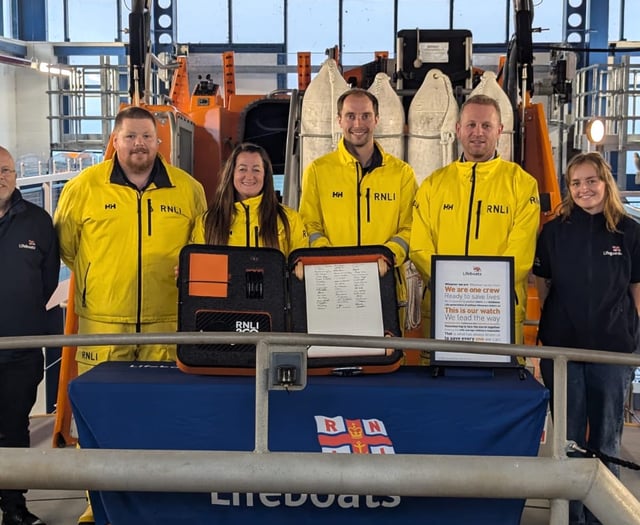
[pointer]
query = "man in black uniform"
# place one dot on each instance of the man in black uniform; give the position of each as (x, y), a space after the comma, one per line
(29, 268)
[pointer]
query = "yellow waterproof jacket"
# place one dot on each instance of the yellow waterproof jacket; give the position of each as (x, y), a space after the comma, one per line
(123, 244)
(341, 206)
(485, 208)
(245, 228)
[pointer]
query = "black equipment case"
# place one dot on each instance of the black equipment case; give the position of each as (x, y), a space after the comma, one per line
(237, 289)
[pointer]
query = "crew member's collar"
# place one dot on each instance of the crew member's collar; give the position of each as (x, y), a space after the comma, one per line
(158, 175)
(375, 161)
(14, 205)
(495, 156)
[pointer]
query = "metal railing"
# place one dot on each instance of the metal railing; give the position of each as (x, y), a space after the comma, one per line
(44, 188)
(557, 478)
(611, 93)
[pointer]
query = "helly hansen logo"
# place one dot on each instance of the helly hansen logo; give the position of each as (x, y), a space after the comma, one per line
(446, 206)
(353, 436)
(337, 195)
(110, 206)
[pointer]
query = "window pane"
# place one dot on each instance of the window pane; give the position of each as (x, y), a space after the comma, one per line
(614, 20)
(631, 16)
(93, 21)
(202, 22)
(367, 27)
(431, 14)
(546, 16)
(55, 21)
(488, 25)
(315, 38)
(550, 17)
(257, 22)
(7, 28)
(125, 11)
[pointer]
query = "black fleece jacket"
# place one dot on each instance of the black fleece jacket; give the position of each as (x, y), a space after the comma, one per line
(589, 303)
(29, 269)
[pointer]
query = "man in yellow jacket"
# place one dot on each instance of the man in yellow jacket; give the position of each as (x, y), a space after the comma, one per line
(358, 194)
(478, 205)
(121, 225)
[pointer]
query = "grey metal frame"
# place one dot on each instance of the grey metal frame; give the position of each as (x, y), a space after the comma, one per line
(557, 478)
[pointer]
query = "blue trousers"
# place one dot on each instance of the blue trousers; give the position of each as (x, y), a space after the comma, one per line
(596, 396)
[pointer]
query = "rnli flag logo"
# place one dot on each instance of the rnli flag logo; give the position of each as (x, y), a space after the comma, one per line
(338, 435)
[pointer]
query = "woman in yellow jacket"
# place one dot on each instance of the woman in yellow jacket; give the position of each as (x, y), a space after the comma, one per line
(246, 211)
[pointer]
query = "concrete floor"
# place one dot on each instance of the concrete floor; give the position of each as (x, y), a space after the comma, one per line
(64, 507)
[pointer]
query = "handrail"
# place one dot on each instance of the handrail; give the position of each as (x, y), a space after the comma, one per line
(297, 339)
(416, 475)
(556, 478)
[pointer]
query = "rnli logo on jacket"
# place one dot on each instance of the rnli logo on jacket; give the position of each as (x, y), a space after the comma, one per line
(498, 209)
(337, 435)
(614, 251)
(166, 208)
(29, 245)
(384, 196)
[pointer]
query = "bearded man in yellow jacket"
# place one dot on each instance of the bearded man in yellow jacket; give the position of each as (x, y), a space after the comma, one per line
(480, 204)
(121, 225)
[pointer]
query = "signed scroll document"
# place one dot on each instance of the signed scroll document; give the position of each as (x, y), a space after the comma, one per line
(343, 299)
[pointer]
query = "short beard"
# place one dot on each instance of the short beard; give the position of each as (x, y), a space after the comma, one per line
(138, 168)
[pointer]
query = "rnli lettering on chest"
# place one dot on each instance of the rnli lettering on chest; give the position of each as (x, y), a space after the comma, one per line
(499, 209)
(321, 501)
(384, 196)
(613, 252)
(27, 245)
(167, 208)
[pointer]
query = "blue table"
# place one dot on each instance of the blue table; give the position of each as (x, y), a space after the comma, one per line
(146, 406)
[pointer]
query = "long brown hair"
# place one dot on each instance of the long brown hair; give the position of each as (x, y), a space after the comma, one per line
(613, 208)
(221, 213)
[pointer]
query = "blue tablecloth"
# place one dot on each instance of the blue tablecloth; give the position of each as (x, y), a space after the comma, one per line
(151, 406)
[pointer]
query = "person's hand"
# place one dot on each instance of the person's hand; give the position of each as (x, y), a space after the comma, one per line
(383, 266)
(176, 272)
(298, 270)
